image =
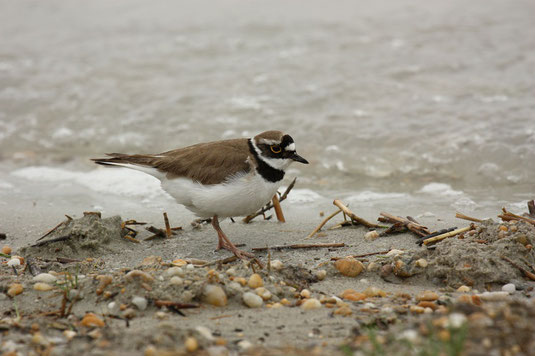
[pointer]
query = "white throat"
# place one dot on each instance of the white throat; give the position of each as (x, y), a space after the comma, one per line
(277, 163)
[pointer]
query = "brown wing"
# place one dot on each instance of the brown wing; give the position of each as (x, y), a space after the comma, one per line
(207, 163)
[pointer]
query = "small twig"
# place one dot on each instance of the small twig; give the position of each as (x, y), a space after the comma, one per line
(352, 215)
(363, 255)
(522, 269)
(269, 206)
(278, 209)
(341, 224)
(167, 226)
(57, 239)
(507, 216)
(222, 262)
(318, 228)
(133, 222)
(297, 246)
(411, 225)
(448, 234)
(167, 303)
(52, 230)
(130, 238)
(466, 217)
(420, 240)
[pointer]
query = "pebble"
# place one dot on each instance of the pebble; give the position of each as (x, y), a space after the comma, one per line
(190, 267)
(39, 339)
(277, 265)
(456, 320)
(15, 289)
(176, 281)
(129, 313)
(252, 300)
(179, 263)
(113, 307)
(374, 292)
(394, 252)
(371, 235)
(145, 277)
(140, 302)
(175, 271)
(45, 278)
(245, 344)
(344, 311)
(427, 295)
(6, 250)
(311, 304)
(352, 295)
(494, 296)
(464, 289)
(349, 267)
(215, 295)
(255, 281)
(305, 293)
(373, 266)
(321, 274)
(69, 334)
(416, 309)
(191, 344)
(91, 320)
(42, 287)
(509, 288)
(410, 335)
(231, 271)
(422, 262)
(263, 293)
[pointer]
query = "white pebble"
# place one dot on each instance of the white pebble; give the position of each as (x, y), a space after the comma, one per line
(190, 267)
(176, 281)
(456, 320)
(175, 271)
(321, 274)
(231, 271)
(509, 288)
(371, 235)
(245, 344)
(277, 265)
(113, 307)
(140, 302)
(311, 304)
(45, 278)
(252, 300)
(410, 335)
(205, 332)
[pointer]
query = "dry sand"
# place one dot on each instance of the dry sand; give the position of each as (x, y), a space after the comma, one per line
(367, 325)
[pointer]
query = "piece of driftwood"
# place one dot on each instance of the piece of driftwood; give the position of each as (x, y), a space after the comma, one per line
(167, 225)
(508, 216)
(269, 206)
(353, 216)
(298, 246)
(531, 208)
(318, 228)
(410, 224)
(466, 217)
(447, 234)
(522, 269)
(436, 233)
(278, 209)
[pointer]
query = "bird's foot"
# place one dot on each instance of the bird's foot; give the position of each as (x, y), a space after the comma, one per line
(242, 255)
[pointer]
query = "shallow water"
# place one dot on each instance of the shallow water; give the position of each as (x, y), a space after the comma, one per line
(406, 103)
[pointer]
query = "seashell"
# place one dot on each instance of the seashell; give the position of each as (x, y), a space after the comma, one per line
(140, 302)
(145, 277)
(371, 235)
(276, 265)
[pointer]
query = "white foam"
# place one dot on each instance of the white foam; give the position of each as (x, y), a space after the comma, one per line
(442, 189)
(302, 195)
(367, 195)
(118, 181)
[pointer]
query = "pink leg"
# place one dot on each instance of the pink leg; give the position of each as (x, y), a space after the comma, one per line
(224, 242)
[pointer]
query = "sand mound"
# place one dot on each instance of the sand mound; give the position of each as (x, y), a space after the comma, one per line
(89, 236)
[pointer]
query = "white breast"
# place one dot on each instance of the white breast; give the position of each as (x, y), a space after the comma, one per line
(240, 196)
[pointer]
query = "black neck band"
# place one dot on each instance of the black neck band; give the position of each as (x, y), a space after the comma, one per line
(265, 170)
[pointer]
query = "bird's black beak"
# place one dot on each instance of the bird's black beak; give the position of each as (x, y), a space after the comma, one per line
(298, 158)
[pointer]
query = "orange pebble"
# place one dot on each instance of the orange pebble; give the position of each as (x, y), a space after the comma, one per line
(6, 250)
(91, 320)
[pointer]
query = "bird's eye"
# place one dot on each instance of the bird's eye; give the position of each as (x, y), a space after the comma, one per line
(276, 149)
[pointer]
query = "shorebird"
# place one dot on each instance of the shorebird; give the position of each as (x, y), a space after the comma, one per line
(219, 179)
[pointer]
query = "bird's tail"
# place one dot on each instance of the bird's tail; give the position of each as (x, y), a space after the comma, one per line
(143, 163)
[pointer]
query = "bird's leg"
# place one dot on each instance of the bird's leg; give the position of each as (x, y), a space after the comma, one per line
(225, 243)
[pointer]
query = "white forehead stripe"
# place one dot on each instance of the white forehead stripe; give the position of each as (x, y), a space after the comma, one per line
(268, 142)
(290, 147)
